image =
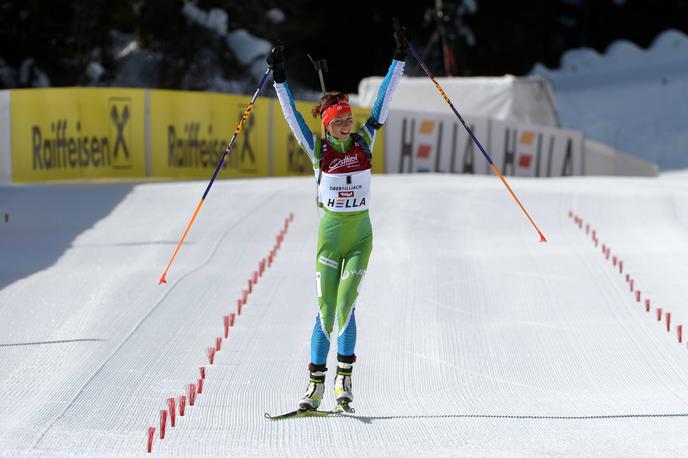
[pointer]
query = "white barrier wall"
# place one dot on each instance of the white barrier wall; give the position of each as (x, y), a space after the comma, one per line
(420, 142)
(424, 142)
(5, 139)
(601, 159)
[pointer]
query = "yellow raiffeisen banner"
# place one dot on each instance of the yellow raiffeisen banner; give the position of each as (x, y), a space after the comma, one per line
(76, 133)
(190, 130)
(290, 159)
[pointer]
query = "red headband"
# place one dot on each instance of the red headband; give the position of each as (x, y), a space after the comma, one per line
(335, 110)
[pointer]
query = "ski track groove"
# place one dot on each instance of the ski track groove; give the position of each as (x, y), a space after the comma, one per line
(169, 291)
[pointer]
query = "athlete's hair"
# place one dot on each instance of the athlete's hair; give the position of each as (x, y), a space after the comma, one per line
(329, 99)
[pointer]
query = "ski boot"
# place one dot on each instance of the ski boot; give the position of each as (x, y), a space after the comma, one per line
(342, 383)
(316, 388)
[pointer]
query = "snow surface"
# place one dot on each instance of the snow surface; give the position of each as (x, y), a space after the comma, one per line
(474, 339)
(633, 99)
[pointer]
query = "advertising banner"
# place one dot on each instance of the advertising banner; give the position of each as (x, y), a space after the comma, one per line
(425, 142)
(190, 130)
(535, 151)
(290, 159)
(77, 133)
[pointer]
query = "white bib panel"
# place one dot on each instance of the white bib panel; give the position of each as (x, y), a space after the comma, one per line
(345, 192)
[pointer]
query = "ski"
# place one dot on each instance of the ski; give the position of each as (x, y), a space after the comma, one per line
(339, 410)
(302, 413)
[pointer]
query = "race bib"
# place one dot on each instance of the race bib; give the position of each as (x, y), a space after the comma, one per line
(345, 192)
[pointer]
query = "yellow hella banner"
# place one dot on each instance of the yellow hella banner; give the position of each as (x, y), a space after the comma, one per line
(190, 130)
(76, 133)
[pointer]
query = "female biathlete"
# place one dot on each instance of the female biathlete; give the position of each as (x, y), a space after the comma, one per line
(341, 162)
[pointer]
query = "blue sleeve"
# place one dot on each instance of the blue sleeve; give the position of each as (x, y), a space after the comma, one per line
(382, 101)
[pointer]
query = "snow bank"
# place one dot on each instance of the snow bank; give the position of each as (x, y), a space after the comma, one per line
(629, 98)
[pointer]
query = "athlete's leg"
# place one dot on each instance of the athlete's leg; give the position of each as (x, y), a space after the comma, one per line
(353, 273)
(328, 266)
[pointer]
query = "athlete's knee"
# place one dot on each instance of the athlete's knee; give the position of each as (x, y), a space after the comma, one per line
(325, 320)
(346, 316)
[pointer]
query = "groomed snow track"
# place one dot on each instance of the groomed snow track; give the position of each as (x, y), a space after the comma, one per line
(473, 338)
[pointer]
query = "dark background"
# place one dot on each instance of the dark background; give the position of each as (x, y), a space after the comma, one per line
(63, 36)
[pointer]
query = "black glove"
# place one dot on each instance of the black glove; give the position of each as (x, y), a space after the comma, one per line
(276, 63)
(401, 41)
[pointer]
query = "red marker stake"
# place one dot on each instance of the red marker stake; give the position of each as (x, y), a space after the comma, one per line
(163, 423)
(200, 386)
(218, 344)
(679, 332)
(231, 319)
(202, 371)
(668, 321)
(182, 405)
(151, 435)
(250, 286)
(647, 305)
(620, 266)
(659, 313)
(171, 406)
(211, 354)
(244, 296)
(225, 321)
(631, 284)
(637, 296)
(192, 394)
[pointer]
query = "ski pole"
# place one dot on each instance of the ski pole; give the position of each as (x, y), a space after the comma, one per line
(470, 132)
(217, 170)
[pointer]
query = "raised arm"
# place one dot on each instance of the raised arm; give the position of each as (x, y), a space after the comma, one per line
(378, 116)
(298, 126)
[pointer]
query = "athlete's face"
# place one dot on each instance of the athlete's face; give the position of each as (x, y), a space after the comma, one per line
(340, 126)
